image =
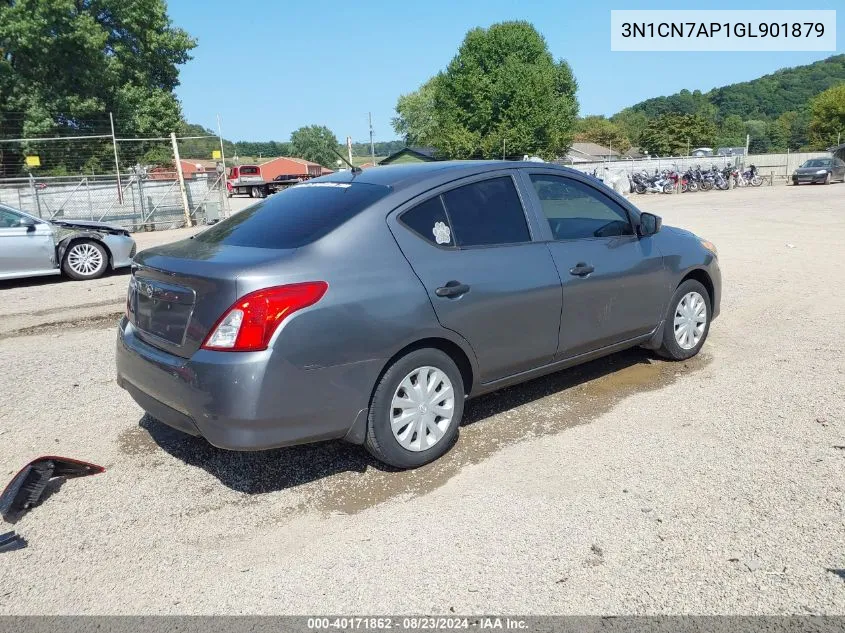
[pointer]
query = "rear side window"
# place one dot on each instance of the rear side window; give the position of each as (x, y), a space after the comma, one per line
(429, 221)
(296, 216)
(487, 212)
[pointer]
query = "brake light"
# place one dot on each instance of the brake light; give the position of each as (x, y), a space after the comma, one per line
(249, 324)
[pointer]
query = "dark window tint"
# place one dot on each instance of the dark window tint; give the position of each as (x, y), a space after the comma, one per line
(487, 212)
(575, 210)
(430, 222)
(296, 216)
(250, 171)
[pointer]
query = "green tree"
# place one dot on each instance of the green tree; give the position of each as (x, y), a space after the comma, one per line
(315, 143)
(731, 132)
(631, 123)
(758, 131)
(502, 91)
(64, 64)
(598, 129)
(417, 119)
(672, 134)
(827, 112)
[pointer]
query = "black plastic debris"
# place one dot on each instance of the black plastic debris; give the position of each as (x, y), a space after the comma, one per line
(27, 487)
(11, 541)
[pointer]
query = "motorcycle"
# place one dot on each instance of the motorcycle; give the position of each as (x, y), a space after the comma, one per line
(751, 177)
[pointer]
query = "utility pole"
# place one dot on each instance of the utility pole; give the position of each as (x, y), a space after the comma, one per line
(372, 145)
(116, 163)
(181, 178)
(747, 143)
(223, 177)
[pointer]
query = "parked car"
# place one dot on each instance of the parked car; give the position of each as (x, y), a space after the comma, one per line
(31, 247)
(369, 306)
(819, 170)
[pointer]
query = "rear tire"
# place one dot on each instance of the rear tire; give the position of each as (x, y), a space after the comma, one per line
(682, 338)
(85, 259)
(403, 446)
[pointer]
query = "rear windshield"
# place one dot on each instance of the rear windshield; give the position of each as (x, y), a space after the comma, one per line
(249, 171)
(296, 216)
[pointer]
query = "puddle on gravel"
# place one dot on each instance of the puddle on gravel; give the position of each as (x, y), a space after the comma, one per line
(335, 477)
(544, 406)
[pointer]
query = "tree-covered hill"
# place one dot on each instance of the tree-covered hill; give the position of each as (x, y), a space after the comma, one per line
(776, 111)
(768, 97)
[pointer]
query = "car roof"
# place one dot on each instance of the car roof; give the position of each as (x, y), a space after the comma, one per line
(400, 176)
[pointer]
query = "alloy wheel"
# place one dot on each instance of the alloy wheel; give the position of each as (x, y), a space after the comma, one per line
(85, 259)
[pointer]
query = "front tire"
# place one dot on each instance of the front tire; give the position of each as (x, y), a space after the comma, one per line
(828, 178)
(85, 259)
(687, 321)
(416, 409)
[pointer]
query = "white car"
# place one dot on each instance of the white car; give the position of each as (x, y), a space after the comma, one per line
(32, 247)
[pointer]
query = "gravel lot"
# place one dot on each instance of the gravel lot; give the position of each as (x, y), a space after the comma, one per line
(628, 485)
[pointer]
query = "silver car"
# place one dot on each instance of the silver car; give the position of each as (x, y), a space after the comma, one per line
(32, 247)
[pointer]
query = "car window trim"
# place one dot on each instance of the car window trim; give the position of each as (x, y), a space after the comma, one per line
(633, 220)
(443, 188)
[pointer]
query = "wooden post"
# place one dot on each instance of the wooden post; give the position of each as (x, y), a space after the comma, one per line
(181, 178)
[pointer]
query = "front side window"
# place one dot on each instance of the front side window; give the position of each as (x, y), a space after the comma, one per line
(577, 211)
(487, 212)
(9, 219)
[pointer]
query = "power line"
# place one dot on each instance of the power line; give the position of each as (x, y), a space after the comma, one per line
(52, 138)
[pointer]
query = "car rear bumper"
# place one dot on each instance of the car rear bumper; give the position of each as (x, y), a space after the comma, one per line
(243, 400)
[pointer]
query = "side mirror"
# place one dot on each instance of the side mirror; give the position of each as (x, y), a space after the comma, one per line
(28, 223)
(649, 224)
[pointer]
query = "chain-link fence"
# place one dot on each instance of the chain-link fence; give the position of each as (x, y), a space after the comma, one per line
(141, 202)
(138, 183)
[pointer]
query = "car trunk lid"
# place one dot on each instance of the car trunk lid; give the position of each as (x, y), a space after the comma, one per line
(178, 292)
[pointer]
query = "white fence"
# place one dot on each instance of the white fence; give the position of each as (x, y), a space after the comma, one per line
(776, 165)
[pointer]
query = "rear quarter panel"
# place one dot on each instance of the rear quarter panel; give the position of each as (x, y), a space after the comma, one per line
(374, 307)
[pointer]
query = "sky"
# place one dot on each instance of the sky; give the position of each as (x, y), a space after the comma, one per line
(268, 68)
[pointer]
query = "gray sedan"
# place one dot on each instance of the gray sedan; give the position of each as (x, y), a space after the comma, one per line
(370, 305)
(32, 247)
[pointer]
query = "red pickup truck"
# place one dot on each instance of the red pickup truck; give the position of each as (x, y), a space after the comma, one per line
(247, 179)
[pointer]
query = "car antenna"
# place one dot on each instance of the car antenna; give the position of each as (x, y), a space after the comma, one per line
(355, 170)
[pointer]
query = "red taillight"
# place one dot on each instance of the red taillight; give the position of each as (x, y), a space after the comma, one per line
(249, 324)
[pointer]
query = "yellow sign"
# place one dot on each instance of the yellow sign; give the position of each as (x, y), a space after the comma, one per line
(215, 153)
(33, 161)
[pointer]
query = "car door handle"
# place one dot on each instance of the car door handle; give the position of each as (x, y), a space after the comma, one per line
(452, 289)
(581, 269)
